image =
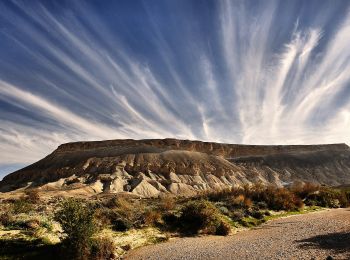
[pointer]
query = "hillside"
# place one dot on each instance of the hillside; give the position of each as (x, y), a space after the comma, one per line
(182, 167)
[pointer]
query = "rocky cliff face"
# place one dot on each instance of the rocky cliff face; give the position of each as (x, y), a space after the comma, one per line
(151, 167)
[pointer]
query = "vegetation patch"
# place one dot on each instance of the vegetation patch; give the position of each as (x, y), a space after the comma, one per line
(202, 217)
(106, 228)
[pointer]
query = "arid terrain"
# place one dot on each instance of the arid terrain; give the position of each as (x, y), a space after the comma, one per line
(311, 236)
(149, 168)
(174, 129)
(113, 199)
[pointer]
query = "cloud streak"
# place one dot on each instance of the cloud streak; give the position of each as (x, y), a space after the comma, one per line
(259, 72)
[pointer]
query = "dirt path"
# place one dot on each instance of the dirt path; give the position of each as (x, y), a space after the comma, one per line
(310, 236)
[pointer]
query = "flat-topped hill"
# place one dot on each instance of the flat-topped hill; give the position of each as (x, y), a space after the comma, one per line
(183, 167)
(219, 149)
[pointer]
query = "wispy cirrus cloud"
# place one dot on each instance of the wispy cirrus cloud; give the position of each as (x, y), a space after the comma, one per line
(262, 72)
(281, 93)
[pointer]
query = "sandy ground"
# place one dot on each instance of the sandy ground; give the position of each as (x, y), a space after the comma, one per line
(311, 236)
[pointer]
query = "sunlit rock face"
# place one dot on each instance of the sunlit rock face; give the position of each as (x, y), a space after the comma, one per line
(150, 168)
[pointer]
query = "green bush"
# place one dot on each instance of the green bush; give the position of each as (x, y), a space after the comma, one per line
(257, 214)
(48, 225)
(32, 224)
(32, 196)
(262, 205)
(218, 195)
(304, 190)
(119, 202)
(103, 217)
(199, 216)
(275, 198)
(267, 213)
(170, 220)
(120, 224)
(271, 197)
(132, 213)
(223, 229)
(102, 249)
(77, 221)
(6, 219)
(21, 206)
(222, 208)
(167, 203)
(152, 218)
(237, 215)
(345, 199)
(326, 198)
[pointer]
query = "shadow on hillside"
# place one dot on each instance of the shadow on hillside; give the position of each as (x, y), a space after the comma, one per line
(335, 242)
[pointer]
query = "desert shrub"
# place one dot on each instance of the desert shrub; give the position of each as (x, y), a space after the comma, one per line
(267, 213)
(117, 219)
(32, 196)
(265, 197)
(110, 203)
(48, 225)
(77, 221)
(222, 207)
(103, 217)
(237, 215)
(121, 203)
(248, 203)
(152, 218)
(298, 203)
(21, 206)
(223, 229)
(102, 249)
(237, 201)
(249, 222)
(325, 198)
(8, 201)
(126, 216)
(167, 203)
(218, 195)
(282, 199)
(257, 214)
(32, 224)
(303, 190)
(262, 205)
(345, 199)
(120, 223)
(224, 210)
(6, 219)
(276, 198)
(170, 220)
(199, 216)
(127, 211)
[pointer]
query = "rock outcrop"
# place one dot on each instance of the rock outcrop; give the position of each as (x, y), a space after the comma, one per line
(153, 167)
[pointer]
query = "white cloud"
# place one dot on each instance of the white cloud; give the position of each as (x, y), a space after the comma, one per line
(89, 85)
(97, 130)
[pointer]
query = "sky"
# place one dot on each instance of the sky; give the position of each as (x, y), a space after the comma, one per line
(251, 72)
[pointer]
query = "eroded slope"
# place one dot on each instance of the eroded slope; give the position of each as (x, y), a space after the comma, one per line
(151, 167)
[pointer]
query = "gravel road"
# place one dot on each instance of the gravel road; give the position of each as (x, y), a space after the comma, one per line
(315, 235)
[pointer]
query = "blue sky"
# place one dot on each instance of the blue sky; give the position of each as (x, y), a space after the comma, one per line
(254, 72)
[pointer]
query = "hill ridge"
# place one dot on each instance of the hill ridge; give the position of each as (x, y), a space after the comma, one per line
(150, 167)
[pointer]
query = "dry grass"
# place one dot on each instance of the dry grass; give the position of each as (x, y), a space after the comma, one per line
(32, 196)
(208, 213)
(167, 203)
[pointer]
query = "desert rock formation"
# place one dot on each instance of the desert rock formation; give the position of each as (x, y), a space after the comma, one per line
(153, 167)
